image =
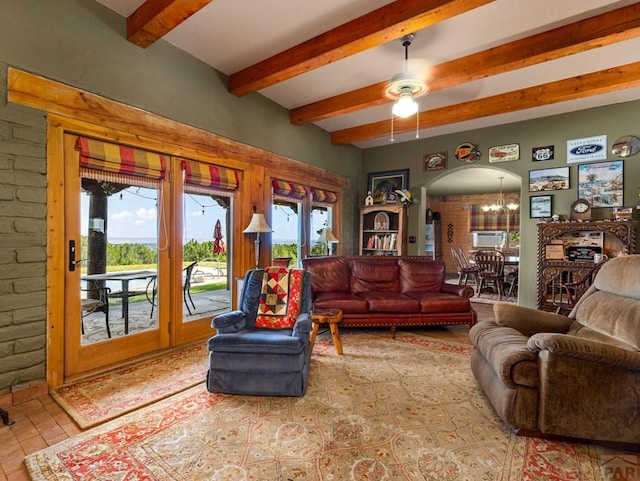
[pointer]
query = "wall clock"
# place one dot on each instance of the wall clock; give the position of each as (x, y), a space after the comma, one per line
(580, 210)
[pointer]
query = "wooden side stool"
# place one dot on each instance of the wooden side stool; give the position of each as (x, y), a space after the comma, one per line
(327, 316)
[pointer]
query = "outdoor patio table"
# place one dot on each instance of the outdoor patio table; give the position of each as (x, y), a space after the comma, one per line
(124, 277)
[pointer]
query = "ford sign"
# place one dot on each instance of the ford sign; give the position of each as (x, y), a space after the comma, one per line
(588, 149)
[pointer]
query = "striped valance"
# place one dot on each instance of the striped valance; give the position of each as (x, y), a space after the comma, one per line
(480, 220)
(120, 159)
(210, 176)
(323, 196)
(289, 189)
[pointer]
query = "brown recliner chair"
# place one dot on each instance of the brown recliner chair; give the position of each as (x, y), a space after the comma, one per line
(576, 376)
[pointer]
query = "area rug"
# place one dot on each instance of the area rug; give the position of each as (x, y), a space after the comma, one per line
(405, 409)
(98, 399)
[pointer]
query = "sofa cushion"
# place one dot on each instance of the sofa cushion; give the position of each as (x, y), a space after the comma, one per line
(389, 302)
(373, 275)
(345, 301)
(421, 276)
(329, 273)
(431, 302)
(611, 316)
(505, 350)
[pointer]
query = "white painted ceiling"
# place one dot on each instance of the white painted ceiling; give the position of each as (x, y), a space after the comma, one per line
(231, 35)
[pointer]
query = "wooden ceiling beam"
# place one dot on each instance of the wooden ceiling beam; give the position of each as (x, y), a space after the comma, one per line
(608, 28)
(375, 28)
(155, 18)
(596, 83)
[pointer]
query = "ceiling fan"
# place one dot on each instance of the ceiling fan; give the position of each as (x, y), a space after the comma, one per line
(405, 87)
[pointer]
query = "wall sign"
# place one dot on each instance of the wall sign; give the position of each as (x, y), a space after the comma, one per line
(542, 153)
(587, 149)
(504, 153)
(468, 152)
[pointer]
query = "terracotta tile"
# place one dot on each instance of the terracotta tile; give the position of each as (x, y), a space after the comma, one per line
(33, 444)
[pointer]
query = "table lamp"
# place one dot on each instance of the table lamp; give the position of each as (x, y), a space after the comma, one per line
(258, 225)
(326, 235)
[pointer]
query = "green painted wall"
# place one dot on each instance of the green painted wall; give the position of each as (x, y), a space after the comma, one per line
(613, 120)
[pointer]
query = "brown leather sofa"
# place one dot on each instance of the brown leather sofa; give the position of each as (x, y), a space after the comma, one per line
(575, 376)
(384, 291)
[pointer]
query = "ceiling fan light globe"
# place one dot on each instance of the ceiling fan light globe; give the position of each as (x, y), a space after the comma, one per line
(405, 106)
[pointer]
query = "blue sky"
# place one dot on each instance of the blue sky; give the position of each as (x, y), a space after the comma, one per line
(135, 215)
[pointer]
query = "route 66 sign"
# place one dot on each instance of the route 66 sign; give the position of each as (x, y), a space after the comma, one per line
(542, 153)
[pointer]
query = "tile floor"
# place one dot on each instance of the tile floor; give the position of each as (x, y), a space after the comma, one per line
(41, 422)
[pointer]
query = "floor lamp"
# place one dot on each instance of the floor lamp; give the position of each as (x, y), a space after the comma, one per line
(326, 235)
(257, 226)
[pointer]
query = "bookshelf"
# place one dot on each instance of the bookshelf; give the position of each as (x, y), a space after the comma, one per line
(383, 230)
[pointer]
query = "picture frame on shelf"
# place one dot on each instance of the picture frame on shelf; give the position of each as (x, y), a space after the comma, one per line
(602, 183)
(381, 183)
(540, 206)
(541, 180)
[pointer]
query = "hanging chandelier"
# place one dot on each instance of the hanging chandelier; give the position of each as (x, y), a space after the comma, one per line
(501, 206)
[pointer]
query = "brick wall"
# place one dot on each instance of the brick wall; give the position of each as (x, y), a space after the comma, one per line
(454, 217)
(23, 235)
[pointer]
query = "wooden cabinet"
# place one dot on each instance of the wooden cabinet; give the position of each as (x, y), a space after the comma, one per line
(560, 241)
(383, 230)
(433, 240)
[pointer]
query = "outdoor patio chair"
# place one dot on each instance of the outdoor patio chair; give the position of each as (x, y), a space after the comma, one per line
(152, 289)
(89, 305)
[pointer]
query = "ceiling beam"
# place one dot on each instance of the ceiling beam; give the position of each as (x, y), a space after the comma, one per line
(375, 28)
(155, 18)
(596, 83)
(608, 28)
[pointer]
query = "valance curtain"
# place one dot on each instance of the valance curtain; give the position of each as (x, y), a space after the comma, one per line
(323, 196)
(289, 190)
(209, 177)
(479, 220)
(120, 159)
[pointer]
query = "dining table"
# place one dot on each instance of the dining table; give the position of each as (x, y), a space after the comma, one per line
(124, 277)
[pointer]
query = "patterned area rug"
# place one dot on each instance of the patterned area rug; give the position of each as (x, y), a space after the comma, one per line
(99, 399)
(405, 409)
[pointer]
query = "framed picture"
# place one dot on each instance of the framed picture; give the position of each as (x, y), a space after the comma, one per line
(382, 183)
(435, 161)
(540, 206)
(601, 184)
(549, 179)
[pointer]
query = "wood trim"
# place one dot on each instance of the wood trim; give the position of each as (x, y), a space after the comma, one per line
(603, 81)
(173, 137)
(155, 18)
(601, 30)
(375, 28)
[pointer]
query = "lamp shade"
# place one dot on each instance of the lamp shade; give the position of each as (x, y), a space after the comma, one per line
(258, 224)
(326, 235)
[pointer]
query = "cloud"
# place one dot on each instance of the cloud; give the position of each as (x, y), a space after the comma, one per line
(123, 215)
(147, 214)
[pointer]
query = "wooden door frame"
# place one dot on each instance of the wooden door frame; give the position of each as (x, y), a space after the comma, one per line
(73, 110)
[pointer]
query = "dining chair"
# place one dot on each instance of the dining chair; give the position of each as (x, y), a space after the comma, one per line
(490, 265)
(464, 267)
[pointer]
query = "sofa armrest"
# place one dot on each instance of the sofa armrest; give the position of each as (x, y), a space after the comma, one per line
(228, 322)
(530, 321)
(585, 349)
(459, 290)
(303, 326)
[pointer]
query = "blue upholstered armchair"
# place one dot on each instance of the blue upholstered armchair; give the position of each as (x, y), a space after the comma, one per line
(245, 359)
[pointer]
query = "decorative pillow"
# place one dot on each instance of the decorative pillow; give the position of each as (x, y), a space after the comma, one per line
(279, 305)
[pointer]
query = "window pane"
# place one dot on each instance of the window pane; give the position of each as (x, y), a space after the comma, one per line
(287, 240)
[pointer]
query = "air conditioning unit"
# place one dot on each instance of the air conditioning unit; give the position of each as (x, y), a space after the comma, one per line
(493, 239)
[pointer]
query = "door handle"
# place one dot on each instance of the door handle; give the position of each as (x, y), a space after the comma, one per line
(72, 256)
